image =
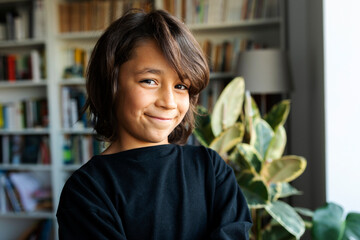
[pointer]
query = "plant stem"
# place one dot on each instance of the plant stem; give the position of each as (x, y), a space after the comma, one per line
(258, 224)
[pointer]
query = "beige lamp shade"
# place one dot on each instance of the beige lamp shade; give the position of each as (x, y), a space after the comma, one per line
(266, 71)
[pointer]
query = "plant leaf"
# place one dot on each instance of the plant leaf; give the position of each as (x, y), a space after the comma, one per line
(228, 139)
(287, 190)
(262, 136)
(277, 144)
(239, 161)
(352, 227)
(249, 154)
(327, 222)
(284, 169)
(228, 107)
(287, 217)
(281, 190)
(304, 211)
(278, 114)
(202, 131)
(254, 189)
(277, 232)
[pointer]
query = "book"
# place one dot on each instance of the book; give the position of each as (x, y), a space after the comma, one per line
(12, 195)
(26, 183)
(5, 149)
(3, 200)
(30, 153)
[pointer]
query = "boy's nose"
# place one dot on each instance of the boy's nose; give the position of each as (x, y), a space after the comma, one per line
(166, 98)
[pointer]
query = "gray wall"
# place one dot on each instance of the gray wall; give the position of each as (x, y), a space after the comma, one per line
(307, 130)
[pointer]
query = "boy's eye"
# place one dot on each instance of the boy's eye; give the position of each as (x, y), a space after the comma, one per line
(181, 87)
(148, 81)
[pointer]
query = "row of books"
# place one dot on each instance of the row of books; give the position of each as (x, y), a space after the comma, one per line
(24, 149)
(222, 56)
(217, 11)
(73, 99)
(22, 66)
(22, 21)
(29, 113)
(211, 93)
(78, 149)
(25, 192)
(89, 15)
(76, 62)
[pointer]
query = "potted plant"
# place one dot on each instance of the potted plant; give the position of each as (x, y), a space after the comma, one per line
(253, 146)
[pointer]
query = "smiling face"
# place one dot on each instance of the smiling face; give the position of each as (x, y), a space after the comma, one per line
(152, 100)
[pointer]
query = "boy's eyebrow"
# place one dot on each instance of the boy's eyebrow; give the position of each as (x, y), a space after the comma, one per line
(149, 70)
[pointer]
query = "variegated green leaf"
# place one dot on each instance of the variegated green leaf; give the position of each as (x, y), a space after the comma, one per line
(281, 190)
(229, 106)
(287, 190)
(202, 131)
(228, 139)
(249, 154)
(304, 211)
(262, 136)
(284, 169)
(239, 163)
(278, 114)
(277, 144)
(287, 217)
(254, 189)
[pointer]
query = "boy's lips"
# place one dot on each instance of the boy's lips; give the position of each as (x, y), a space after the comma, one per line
(160, 117)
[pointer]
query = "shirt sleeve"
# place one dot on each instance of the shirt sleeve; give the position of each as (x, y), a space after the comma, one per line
(84, 212)
(231, 215)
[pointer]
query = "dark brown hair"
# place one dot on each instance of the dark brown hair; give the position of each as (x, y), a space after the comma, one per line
(116, 46)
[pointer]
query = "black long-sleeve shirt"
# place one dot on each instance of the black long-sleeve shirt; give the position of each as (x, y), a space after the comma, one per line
(161, 192)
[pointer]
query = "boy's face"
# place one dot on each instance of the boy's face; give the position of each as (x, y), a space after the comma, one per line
(152, 98)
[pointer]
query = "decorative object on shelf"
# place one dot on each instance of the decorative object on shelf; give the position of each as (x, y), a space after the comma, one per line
(266, 71)
(253, 145)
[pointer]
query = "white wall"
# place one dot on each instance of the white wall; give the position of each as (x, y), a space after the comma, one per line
(342, 102)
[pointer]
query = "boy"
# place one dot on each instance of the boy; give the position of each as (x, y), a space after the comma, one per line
(143, 80)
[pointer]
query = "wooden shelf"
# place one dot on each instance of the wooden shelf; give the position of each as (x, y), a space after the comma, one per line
(79, 35)
(25, 167)
(22, 43)
(71, 167)
(23, 83)
(235, 25)
(27, 131)
(28, 215)
(72, 81)
(78, 131)
(221, 75)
